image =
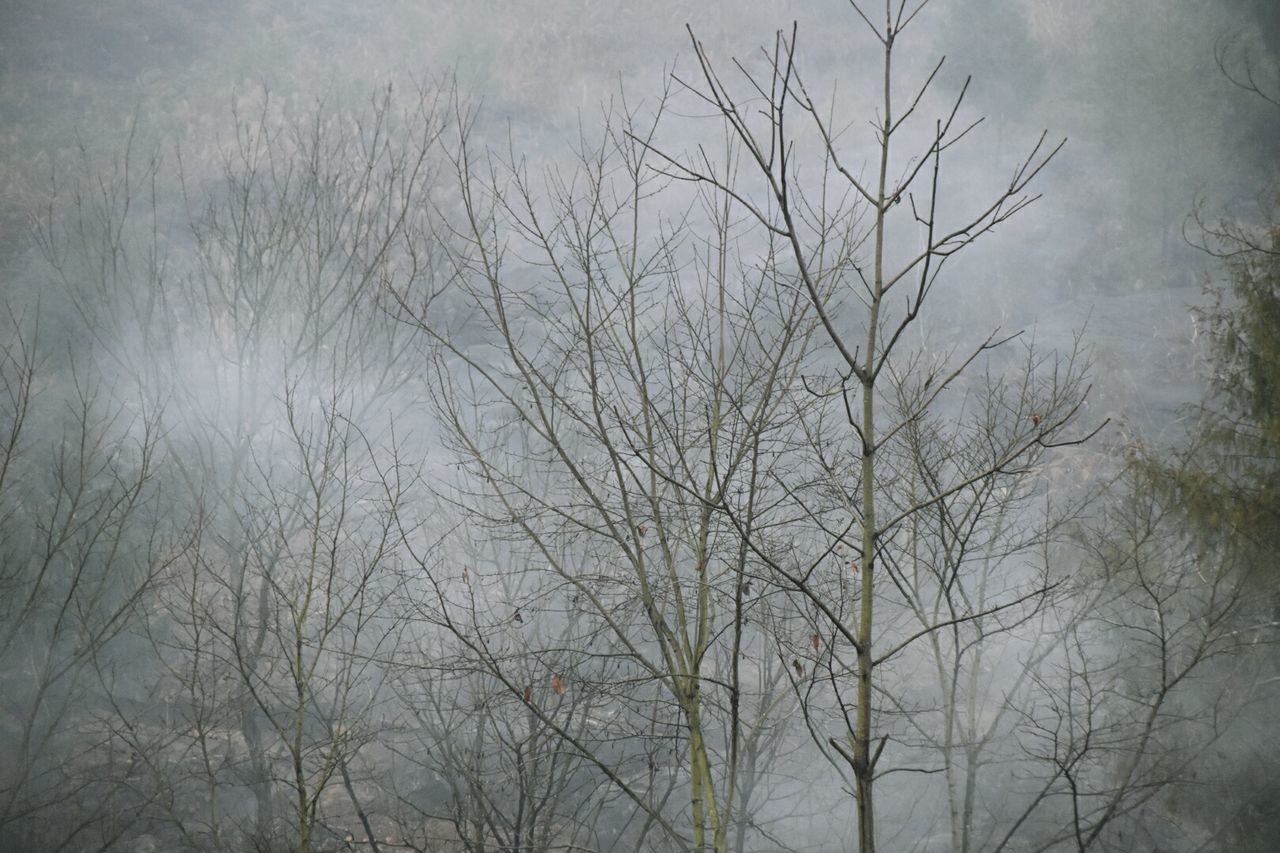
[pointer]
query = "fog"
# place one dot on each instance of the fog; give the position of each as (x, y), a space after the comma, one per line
(589, 426)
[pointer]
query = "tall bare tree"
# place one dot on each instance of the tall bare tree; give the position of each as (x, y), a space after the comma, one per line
(869, 250)
(636, 375)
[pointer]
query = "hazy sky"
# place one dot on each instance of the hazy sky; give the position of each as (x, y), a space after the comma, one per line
(1151, 123)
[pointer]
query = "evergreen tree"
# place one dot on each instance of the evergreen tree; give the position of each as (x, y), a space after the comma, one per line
(1226, 484)
(1229, 481)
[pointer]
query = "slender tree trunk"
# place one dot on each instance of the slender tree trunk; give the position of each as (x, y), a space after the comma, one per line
(864, 760)
(706, 814)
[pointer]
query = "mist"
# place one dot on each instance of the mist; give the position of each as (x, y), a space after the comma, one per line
(589, 427)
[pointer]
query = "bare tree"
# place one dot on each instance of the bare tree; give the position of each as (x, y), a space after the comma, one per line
(867, 262)
(1124, 716)
(630, 380)
(250, 305)
(84, 534)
